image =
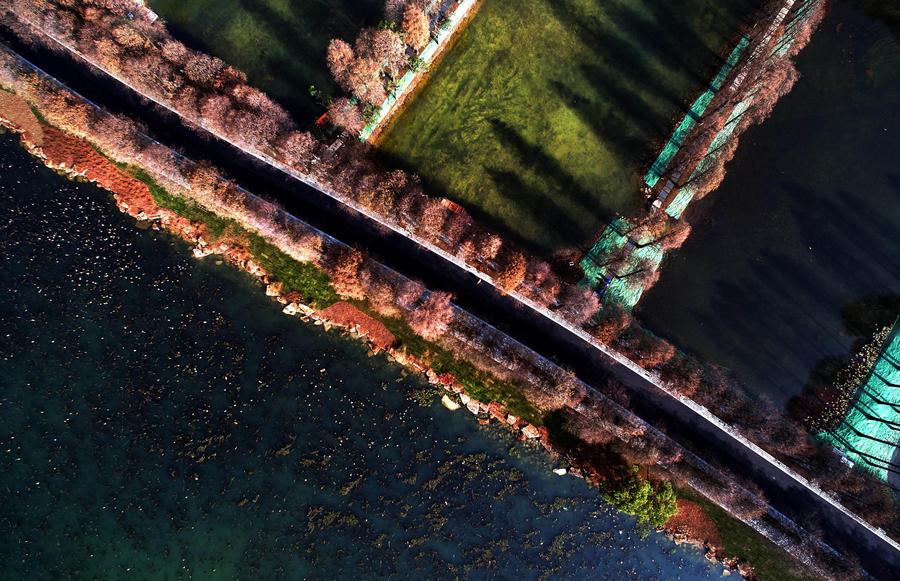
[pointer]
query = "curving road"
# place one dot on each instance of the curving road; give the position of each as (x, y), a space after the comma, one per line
(683, 420)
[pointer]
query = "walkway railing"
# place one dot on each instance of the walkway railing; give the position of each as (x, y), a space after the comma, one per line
(652, 379)
(409, 80)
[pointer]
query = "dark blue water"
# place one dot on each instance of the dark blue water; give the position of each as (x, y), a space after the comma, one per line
(160, 418)
(807, 222)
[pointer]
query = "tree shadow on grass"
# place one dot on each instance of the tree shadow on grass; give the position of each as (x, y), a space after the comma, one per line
(613, 128)
(635, 109)
(633, 42)
(534, 159)
(672, 40)
(303, 36)
(624, 59)
(306, 64)
(541, 210)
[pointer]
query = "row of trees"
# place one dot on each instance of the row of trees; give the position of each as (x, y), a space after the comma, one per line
(430, 314)
(218, 95)
(368, 70)
(766, 79)
(209, 92)
(354, 276)
(655, 228)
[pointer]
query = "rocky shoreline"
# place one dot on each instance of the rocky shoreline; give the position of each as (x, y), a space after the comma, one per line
(75, 158)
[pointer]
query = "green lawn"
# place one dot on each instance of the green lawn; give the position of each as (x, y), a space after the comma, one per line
(544, 115)
(280, 44)
(769, 561)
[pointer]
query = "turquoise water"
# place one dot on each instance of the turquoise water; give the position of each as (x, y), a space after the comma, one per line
(160, 418)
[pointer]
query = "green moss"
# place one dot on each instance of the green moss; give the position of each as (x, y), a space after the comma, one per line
(769, 561)
(301, 277)
(215, 224)
(315, 287)
(38, 114)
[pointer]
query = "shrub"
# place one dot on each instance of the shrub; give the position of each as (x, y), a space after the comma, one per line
(652, 504)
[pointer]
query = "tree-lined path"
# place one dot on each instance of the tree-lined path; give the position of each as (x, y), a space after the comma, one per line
(686, 422)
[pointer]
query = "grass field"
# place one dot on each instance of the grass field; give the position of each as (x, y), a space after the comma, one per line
(769, 561)
(280, 44)
(544, 115)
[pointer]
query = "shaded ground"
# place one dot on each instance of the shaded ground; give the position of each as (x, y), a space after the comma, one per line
(280, 44)
(545, 114)
(164, 420)
(548, 337)
(805, 223)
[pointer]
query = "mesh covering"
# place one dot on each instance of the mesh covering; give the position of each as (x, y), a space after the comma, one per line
(690, 120)
(685, 195)
(870, 432)
(617, 287)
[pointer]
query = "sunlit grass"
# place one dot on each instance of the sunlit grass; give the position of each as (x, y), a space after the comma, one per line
(546, 113)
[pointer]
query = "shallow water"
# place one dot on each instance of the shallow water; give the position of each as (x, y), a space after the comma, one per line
(160, 418)
(807, 222)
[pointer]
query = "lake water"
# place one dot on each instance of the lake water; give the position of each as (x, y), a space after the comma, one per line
(807, 222)
(160, 418)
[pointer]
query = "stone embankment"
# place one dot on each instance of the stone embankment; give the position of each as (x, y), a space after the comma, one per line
(77, 159)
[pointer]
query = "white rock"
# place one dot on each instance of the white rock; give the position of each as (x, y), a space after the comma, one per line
(290, 309)
(450, 404)
(465, 399)
(560, 471)
(201, 251)
(531, 432)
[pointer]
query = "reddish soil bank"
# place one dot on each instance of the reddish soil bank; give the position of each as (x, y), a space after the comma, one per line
(71, 153)
(77, 158)
(692, 524)
(346, 315)
(21, 118)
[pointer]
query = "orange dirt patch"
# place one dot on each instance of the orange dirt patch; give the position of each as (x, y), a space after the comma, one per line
(346, 315)
(691, 523)
(17, 113)
(75, 154)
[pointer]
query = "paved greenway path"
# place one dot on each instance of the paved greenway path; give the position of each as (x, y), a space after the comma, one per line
(685, 421)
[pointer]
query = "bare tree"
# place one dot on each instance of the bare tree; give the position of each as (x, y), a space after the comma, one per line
(415, 27)
(579, 304)
(340, 57)
(512, 273)
(344, 114)
(432, 318)
(345, 275)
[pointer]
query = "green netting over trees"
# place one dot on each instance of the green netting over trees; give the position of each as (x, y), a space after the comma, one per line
(659, 167)
(685, 195)
(870, 432)
(624, 286)
(615, 246)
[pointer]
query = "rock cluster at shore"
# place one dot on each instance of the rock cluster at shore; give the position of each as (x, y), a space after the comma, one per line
(76, 158)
